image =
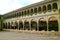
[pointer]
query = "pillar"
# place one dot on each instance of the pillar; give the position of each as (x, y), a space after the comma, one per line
(59, 24)
(30, 25)
(47, 26)
(10, 25)
(18, 25)
(37, 25)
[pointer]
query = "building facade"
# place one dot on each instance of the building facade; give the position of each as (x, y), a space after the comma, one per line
(39, 16)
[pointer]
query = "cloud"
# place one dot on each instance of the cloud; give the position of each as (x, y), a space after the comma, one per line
(9, 5)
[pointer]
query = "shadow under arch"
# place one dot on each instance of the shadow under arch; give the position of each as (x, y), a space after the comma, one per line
(20, 25)
(33, 24)
(53, 23)
(8, 25)
(42, 24)
(16, 25)
(26, 25)
(5, 25)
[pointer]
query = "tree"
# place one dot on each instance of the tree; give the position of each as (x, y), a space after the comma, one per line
(59, 19)
(1, 23)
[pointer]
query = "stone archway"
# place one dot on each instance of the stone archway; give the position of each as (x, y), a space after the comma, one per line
(16, 25)
(12, 25)
(42, 24)
(8, 25)
(26, 25)
(53, 23)
(20, 25)
(5, 25)
(33, 25)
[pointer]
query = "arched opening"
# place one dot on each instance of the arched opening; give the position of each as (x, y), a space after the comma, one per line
(26, 25)
(16, 25)
(20, 25)
(28, 12)
(44, 8)
(42, 24)
(19, 14)
(31, 11)
(25, 13)
(12, 25)
(35, 10)
(4, 25)
(49, 7)
(55, 6)
(39, 9)
(22, 13)
(8, 25)
(33, 25)
(53, 24)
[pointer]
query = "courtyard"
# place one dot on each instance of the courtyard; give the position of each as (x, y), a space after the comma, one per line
(26, 36)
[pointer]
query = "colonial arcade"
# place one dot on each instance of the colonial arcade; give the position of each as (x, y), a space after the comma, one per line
(39, 16)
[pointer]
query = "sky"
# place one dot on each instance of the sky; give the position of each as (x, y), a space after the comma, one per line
(10, 5)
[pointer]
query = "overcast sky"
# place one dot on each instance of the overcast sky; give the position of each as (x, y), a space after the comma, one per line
(9, 5)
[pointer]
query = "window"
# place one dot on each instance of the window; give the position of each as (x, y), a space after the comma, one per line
(44, 8)
(31, 10)
(54, 5)
(25, 12)
(28, 12)
(35, 10)
(49, 7)
(39, 9)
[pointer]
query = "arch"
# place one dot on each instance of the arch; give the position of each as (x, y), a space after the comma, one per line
(28, 12)
(8, 25)
(49, 6)
(20, 25)
(52, 18)
(25, 12)
(5, 25)
(55, 6)
(16, 25)
(35, 10)
(39, 9)
(22, 13)
(33, 25)
(26, 25)
(31, 11)
(53, 23)
(42, 25)
(44, 8)
(19, 14)
(12, 25)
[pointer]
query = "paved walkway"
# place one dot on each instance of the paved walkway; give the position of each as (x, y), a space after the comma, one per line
(26, 36)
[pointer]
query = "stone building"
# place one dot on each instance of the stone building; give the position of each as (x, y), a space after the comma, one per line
(38, 16)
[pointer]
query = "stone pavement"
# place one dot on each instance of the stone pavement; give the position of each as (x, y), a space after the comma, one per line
(27, 36)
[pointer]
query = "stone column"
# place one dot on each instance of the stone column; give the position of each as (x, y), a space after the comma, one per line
(37, 25)
(30, 25)
(18, 25)
(47, 26)
(14, 25)
(10, 25)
